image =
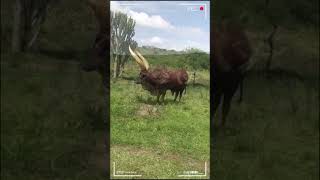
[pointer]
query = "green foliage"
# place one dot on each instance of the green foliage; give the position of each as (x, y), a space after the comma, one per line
(193, 59)
(122, 32)
(198, 60)
(49, 116)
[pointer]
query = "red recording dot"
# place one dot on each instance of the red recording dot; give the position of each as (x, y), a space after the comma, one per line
(201, 8)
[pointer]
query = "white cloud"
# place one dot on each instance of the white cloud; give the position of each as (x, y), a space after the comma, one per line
(153, 21)
(142, 18)
(154, 30)
(156, 39)
(115, 6)
(153, 41)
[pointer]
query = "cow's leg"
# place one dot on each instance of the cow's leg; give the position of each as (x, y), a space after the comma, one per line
(216, 100)
(180, 94)
(163, 95)
(227, 98)
(176, 95)
(158, 96)
(225, 107)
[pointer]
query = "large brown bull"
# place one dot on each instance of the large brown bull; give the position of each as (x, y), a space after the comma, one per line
(99, 50)
(231, 54)
(159, 80)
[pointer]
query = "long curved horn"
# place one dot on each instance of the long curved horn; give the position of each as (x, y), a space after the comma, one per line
(145, 62)
(137, 59)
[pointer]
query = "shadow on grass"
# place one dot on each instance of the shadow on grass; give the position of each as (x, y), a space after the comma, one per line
(197, 85)
(219, 130)
(129, 78)
(153, 101)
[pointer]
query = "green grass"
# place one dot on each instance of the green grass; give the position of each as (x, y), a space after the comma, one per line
(51, 117)
(273, 134)
(159, 141)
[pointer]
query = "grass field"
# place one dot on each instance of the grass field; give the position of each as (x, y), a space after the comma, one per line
(159, 141)
(51, 120)
(274, 132)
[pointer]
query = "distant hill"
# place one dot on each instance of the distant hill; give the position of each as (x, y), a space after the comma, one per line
(151, 50)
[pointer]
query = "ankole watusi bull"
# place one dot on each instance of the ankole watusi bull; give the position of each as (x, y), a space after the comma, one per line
(157, 81)
(231, 52)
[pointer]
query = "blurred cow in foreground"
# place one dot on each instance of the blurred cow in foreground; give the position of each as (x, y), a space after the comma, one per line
(99, 51)
(159, 80)
(231, 54)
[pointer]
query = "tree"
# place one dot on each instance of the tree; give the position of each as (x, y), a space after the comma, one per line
(28, 17)
(122, 31)
(197, 58)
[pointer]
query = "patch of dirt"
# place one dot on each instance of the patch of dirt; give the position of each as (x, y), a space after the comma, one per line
(147, 110)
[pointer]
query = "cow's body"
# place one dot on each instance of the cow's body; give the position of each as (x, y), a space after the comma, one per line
(180, 79)
(157, 81)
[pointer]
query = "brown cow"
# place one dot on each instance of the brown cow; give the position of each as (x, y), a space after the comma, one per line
(231, 53)
(98, 53)
(159, 80)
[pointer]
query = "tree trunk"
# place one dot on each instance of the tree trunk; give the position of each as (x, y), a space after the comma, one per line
(122, 65)
(118, 68)
(17, 27)
(115, 66)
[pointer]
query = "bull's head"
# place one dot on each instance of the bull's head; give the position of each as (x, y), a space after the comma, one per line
(98, 52)
(146, 77)
(144, 67)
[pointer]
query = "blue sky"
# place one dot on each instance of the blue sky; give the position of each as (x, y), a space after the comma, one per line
(169, 24)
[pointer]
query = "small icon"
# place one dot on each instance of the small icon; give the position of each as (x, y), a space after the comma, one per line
(201, 8)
